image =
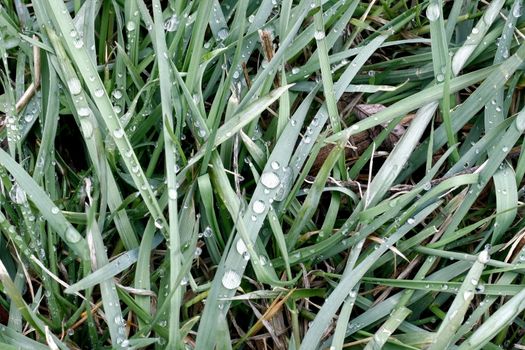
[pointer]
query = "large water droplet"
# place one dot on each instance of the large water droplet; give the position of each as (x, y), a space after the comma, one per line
(72, 235)
(83, 111)
(130, 26)
(99, 93)
(520, 123)
(118, 133)
(55, 210)
(241, 247)
(17, 194)
(74, 86)
(433, 12)
(231, 279)
(87, 128)
(172, 23)
(208, 232)
(270, 180)
(516, 11)
(222, 33)
(319, 35)
(158, 223)
(258, 207)
(117, 94)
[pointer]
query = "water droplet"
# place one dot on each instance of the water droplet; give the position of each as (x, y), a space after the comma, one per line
(158, 223)
(241, 247)
(130, 26)
(198, 251)
(99, 92)
(484, 257)
(505, 149)
(411, 221)
(475, 31)
(83, 111)
(117, 94)
(520, 123)
(172, 193)
(258, 207)
(118, 133)
(295, 70)
(231, 279)
(222, 33)
(171, 24)
(208, 232)
(87, 128)
(251, 18)
(78, 43)
(440, 77)
(263, 260)
(74, 86)
(433, 12)
(270, 180)
(516, 11)
(55, 210)
(319, 35)
(467, 295)
(72, 235)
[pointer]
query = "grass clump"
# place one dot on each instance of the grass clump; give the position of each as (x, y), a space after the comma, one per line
(261, 174)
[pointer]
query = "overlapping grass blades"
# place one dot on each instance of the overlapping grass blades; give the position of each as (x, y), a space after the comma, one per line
(261, 174)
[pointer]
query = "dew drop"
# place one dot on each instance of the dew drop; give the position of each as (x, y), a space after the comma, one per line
(319, 35)
(55, 210)
(231, 279)
(171, 24)
(208, 232)
(258, 207)
(118, 133)
(516, 11)
(83, 111)
(72, 235)
(17, 194)
(241, 247)
(270, 180)
(433, 12)
(158, 223)
(117, 94)
(130, 26)
(99, 92)
(74, 86)
(222, 33)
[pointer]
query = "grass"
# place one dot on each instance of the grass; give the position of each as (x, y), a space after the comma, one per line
(261, 174)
